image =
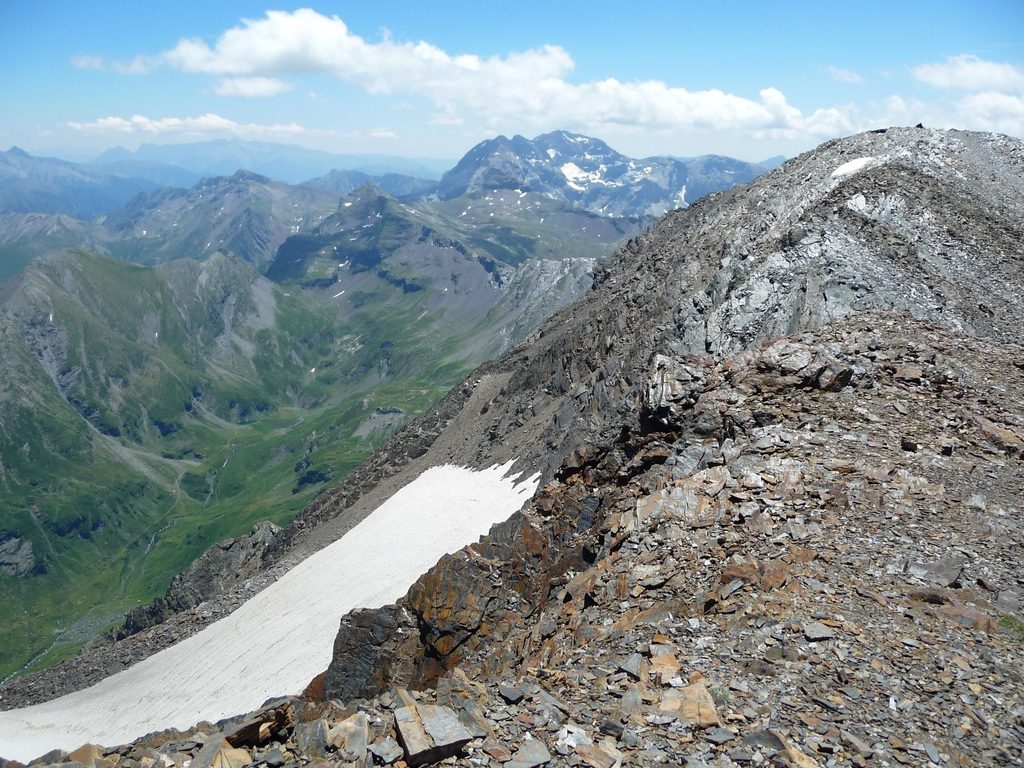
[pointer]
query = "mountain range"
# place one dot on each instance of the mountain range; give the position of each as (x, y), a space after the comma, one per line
(46, 185)
(159, 351)
(286, 162)
(138, 397)
(777, 450)
(579, 170)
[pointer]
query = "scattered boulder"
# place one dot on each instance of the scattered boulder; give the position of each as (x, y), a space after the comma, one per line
(429, 733)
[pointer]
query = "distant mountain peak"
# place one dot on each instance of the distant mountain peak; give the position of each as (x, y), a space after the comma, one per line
(586, 172)
(243, 175)
(368, 190)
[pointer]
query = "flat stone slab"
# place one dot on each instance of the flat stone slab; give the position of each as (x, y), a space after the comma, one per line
(429, 733)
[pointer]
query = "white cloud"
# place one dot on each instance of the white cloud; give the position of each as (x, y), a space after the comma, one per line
(968, 72)
(844, 75)
(993, 111)
(995, 93)
(533, 89)
(526, 87)
(985, 111)
(251, 86)
(383, 133)
(140, 65)
(202, 125)
(88, 61)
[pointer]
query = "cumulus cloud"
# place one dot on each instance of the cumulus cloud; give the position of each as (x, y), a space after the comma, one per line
(993, 111)
(383, 133)
(251, 86)
(529, 86)
(534, 88)
(202, 125)
(970, 73)
(841, 75)
(994, 99)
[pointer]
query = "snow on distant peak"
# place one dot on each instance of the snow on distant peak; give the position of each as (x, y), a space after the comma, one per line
(853, 166)
(552, 153)
(575, 175)
(578, 178)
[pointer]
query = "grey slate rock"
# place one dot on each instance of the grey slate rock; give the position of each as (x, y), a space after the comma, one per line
(386, 750)
(530, 754)
(510, 693)
(430, 733)
(816, 631)
(719, 735)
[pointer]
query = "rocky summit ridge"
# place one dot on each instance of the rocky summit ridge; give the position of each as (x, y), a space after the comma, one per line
(781, 515)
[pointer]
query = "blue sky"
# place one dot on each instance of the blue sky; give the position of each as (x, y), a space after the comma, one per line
(749, 79)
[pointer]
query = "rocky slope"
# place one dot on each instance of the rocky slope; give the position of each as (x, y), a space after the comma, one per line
(781, 440)
(587, 173)
(27, 236)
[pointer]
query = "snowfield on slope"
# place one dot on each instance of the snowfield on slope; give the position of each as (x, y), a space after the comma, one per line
(853, 166)
(275, 643)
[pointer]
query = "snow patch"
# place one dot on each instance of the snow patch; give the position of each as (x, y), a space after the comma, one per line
(574, 175)
(579, 178)
(852, 166)
(237, 663)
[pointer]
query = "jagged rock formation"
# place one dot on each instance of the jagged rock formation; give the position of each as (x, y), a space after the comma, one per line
(244, 214)
(222, 566)
(781, 523)
(16, 556)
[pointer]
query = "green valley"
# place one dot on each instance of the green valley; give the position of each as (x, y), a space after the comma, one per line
(148, 412)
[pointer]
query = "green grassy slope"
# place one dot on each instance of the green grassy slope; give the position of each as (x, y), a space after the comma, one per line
(128, 450)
